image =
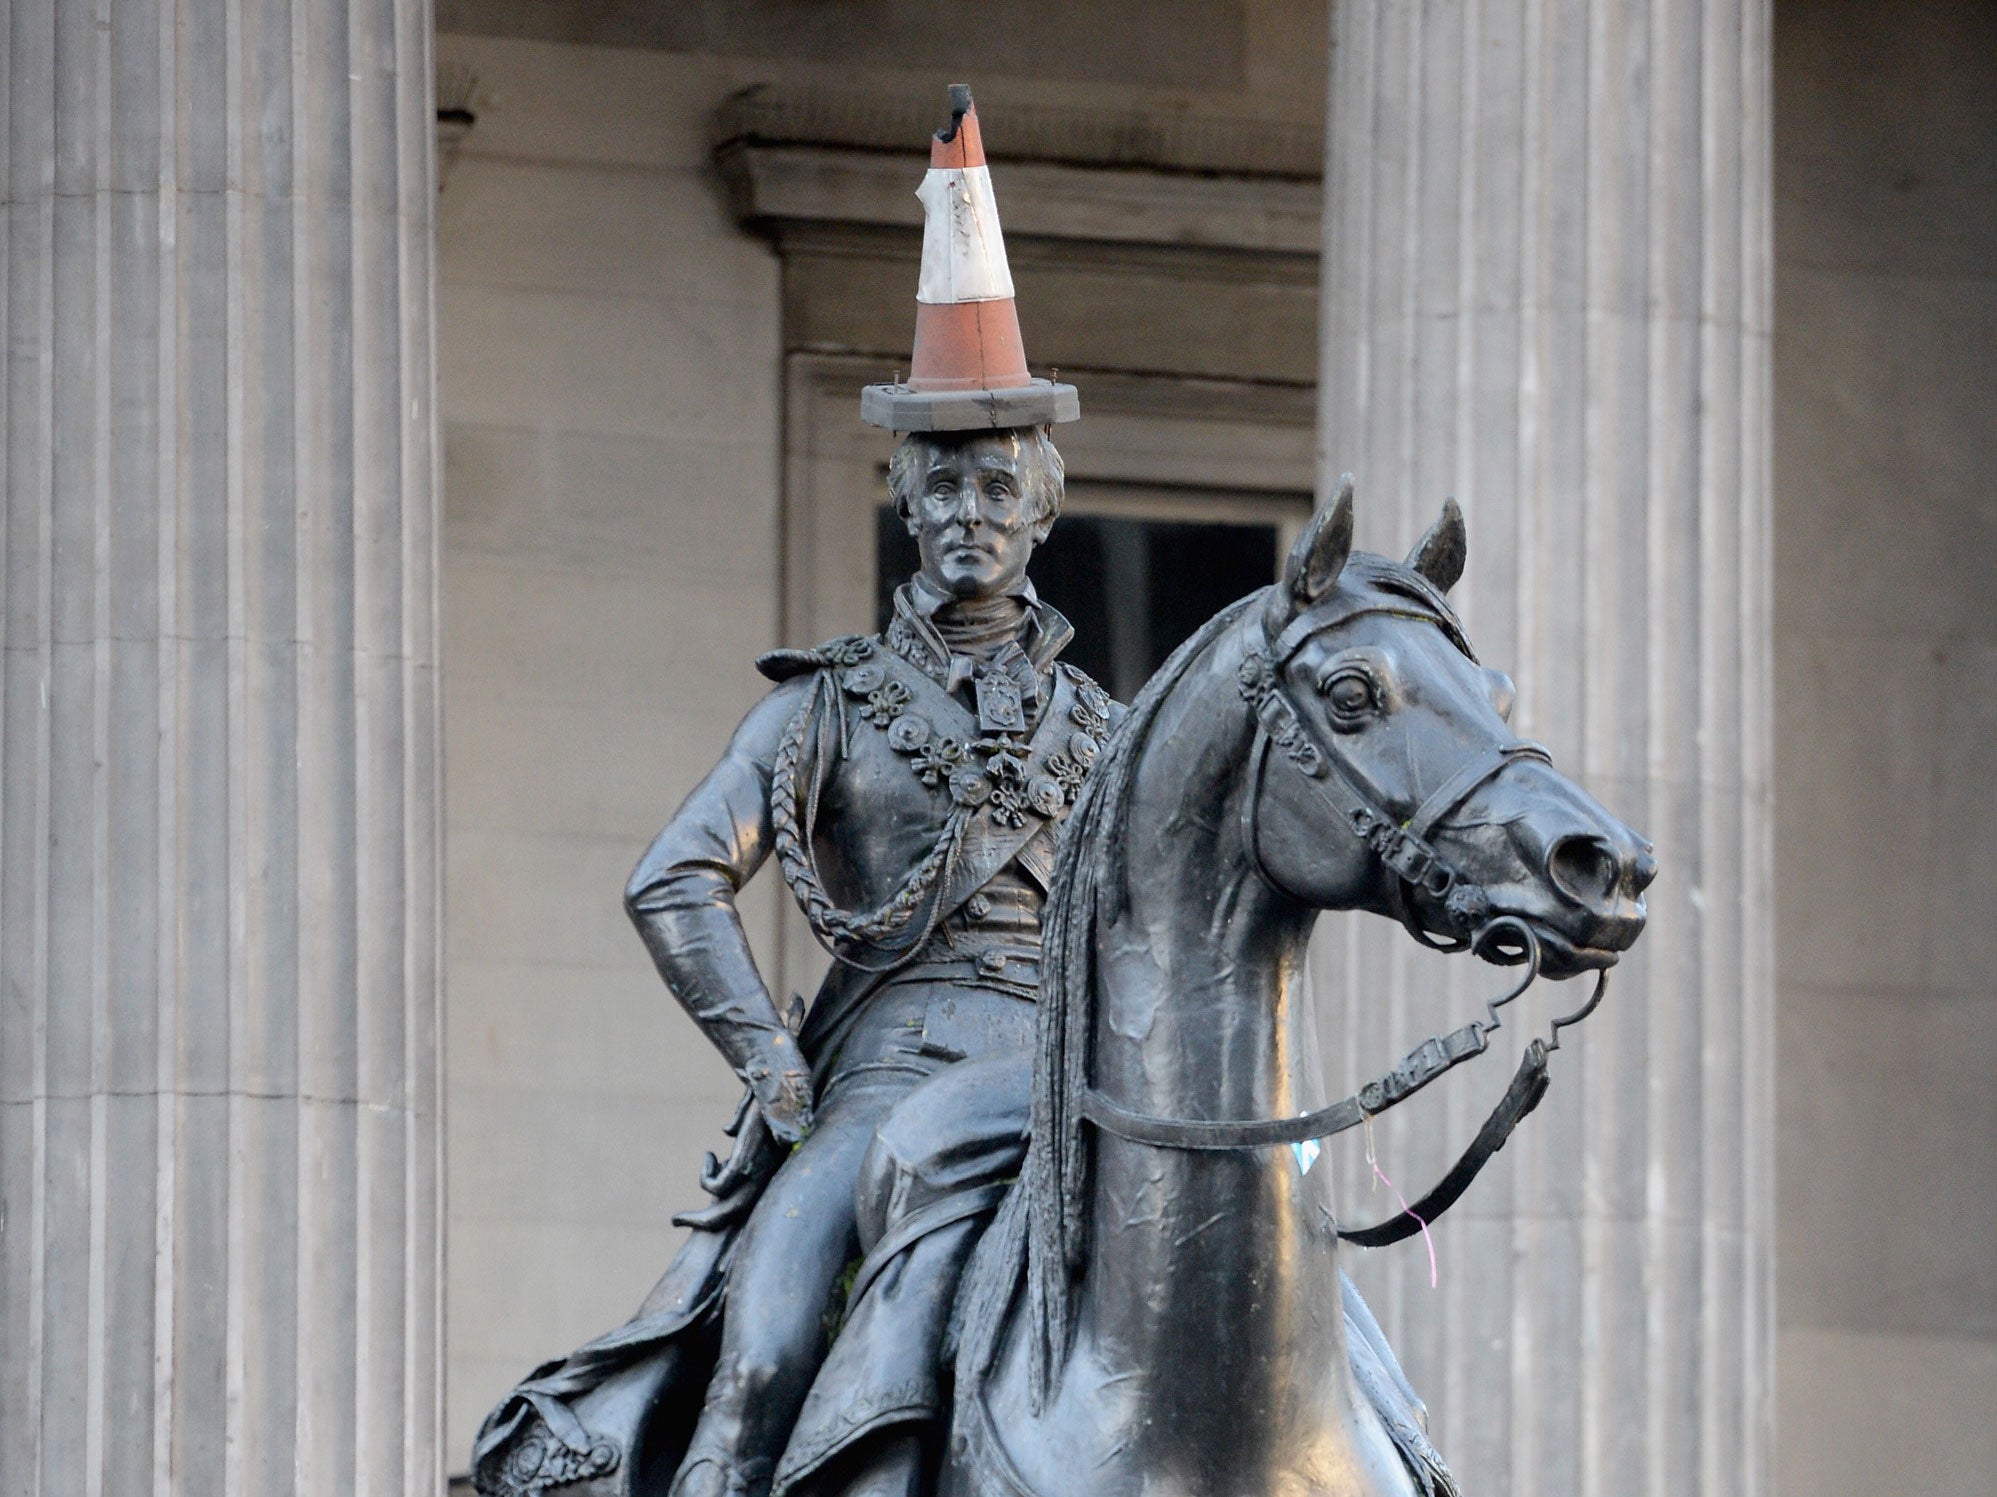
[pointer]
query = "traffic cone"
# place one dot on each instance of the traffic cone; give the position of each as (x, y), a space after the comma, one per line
(969, 369)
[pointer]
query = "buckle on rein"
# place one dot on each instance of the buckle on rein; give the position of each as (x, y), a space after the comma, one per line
(1405, 853)
(1428, 1060)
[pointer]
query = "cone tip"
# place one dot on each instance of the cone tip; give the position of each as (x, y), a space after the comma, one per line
(960, 105)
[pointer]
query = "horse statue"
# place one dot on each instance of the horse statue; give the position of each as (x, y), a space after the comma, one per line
(1096, 1270)
(1158, 1306)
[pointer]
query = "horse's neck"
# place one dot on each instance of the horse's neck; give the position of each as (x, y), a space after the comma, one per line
(1196, 988)
(1200, 964)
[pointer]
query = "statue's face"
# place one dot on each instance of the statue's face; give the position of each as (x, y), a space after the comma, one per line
(973, 518)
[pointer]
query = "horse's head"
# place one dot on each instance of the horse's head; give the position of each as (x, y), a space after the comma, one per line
(1392, 781)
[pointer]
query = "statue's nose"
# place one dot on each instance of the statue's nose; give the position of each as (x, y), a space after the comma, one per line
(1596, 874)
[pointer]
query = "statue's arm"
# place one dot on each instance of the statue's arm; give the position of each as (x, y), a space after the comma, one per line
(682, 898)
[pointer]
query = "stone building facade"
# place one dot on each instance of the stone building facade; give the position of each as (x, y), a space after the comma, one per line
(396, 499)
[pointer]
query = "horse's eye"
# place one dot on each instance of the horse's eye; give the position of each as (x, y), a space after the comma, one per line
(1352, 698)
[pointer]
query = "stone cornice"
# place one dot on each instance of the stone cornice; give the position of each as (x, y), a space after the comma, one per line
(799, 158)
(1177, 141)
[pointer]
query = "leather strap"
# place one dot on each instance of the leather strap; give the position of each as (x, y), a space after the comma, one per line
(1307, 625)
(1428, 1061)
(1424, 1063)
(1459, 787)
(1521, 1097)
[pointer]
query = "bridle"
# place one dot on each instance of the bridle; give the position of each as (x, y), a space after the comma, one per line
(1402, 845)
(1405, 849)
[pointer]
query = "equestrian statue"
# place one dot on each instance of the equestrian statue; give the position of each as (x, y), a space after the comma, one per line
(1009, 1211)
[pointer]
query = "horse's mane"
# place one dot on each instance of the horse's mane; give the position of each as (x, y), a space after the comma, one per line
(1041, 1232)
(1042, 1229)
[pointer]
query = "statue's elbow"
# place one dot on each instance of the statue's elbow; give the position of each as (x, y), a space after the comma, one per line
(642, 890)
(673, 880)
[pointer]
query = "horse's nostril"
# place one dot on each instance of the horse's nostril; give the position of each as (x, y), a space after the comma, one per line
(1586, 869)
(1643, 868)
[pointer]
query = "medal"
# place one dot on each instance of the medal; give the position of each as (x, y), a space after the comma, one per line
(999, 708)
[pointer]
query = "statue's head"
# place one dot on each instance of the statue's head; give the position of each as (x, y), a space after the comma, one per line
(977, 504)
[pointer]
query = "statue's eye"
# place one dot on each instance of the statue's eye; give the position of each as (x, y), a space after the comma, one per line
(1352, 697)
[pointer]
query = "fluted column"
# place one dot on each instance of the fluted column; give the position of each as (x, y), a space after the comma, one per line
(219, 1249)
(1546, 291)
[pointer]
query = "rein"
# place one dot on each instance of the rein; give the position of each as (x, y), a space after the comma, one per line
(1428, 1060)
(1407, 852)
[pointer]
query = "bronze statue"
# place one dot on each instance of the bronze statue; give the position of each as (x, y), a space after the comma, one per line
(910, 786)
(892, 1293)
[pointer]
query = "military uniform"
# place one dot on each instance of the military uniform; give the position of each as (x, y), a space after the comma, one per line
(912, 794)
(910, 771)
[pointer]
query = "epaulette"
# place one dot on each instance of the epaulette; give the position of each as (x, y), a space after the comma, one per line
(847, 649)
(781, 665)
(1094, 699)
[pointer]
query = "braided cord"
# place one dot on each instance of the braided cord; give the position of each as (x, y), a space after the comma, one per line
(839, 930)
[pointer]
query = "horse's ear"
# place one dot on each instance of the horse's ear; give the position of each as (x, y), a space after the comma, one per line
(1439, 555)
(1319, 554)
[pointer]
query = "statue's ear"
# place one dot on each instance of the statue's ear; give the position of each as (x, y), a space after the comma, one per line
(1439, 555)
(1319, 554)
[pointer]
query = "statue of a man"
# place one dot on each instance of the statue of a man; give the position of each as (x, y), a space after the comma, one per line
(910, 786)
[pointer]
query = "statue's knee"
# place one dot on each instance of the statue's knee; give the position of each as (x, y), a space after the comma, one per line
(753, 1374)
(875, 1194)
(965, 1126)
(901, 1160)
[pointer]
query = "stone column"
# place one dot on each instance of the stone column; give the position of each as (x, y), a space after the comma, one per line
(1547, 292)
(219, 1247)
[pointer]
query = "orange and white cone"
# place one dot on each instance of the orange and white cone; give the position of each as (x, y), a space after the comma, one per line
(969, 369)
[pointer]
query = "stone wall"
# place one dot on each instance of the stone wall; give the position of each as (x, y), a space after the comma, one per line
(1886, 739)
(609, 389)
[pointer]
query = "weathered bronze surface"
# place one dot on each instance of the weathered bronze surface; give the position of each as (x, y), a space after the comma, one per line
(1155, 1301)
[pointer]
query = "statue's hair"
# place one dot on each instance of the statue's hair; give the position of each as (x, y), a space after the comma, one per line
(1042, 473)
